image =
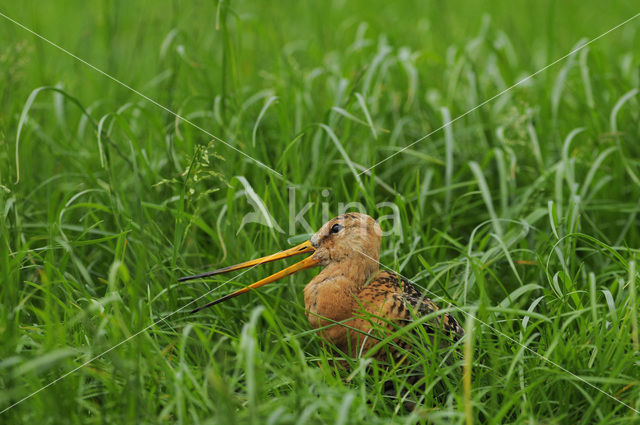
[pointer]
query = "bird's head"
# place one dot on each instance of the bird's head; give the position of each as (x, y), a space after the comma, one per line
(348, 237)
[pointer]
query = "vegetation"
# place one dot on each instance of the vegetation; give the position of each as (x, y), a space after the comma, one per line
(521, 218)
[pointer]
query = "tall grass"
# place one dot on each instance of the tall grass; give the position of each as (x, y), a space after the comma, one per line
(521, 219)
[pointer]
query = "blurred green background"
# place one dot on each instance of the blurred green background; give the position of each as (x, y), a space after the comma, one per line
(523, 213)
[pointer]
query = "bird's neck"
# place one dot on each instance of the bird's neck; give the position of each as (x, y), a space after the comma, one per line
(332, 293)
(353, 275)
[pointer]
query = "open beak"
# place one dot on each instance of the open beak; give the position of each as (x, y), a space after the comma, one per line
(304, 264)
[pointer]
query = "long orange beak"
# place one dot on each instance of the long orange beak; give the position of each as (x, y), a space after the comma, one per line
(304, 264)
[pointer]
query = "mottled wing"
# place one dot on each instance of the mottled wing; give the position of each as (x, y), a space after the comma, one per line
(403, 302)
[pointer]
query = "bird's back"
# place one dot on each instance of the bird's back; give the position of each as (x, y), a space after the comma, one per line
(389, 302)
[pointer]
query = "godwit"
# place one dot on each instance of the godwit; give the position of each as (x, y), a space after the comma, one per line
(351, 298)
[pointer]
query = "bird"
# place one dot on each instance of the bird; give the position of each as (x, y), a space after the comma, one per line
(352, 300)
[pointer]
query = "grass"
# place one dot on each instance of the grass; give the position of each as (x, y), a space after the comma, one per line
(523, 213)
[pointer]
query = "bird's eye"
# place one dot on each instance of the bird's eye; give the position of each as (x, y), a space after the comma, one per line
(336, 228)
